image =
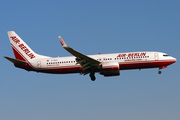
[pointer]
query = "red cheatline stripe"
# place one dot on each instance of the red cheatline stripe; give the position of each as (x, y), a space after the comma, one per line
(148, 61)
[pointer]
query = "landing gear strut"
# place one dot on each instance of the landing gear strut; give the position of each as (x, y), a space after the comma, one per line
(93, 78)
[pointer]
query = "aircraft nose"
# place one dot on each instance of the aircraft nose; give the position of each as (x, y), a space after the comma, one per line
(174, 59)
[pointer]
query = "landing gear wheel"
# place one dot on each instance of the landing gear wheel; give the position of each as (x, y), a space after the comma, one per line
(93, 78)
(159, 72)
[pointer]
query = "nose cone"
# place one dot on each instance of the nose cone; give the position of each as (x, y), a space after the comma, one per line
(173, 59)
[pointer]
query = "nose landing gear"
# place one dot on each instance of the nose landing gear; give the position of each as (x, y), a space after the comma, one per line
(162, 67)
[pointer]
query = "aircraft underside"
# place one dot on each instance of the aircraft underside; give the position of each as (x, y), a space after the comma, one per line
(91, 72)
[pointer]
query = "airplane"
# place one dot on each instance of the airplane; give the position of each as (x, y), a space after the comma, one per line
(104, 64)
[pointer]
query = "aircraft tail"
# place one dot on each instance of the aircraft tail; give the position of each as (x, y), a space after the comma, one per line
(21, 50)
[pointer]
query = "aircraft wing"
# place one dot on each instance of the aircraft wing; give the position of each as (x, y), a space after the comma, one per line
(85, 61)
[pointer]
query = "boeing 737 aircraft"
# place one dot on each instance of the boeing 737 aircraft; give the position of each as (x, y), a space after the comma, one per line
(104, 64)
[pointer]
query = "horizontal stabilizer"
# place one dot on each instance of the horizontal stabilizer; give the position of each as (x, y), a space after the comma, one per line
(15, 61)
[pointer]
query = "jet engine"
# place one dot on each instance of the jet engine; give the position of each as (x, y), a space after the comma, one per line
(110, 69)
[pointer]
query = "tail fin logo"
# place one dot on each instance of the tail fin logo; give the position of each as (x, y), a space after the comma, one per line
(23, 47)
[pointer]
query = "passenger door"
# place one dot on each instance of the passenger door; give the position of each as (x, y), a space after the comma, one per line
(156, 56)
(38, 64)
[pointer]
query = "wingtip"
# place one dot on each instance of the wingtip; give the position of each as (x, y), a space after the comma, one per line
(62, 42)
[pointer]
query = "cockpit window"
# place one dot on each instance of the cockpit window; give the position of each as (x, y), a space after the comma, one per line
(165, 55)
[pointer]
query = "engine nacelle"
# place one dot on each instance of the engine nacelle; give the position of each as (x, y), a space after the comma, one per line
(110, 69)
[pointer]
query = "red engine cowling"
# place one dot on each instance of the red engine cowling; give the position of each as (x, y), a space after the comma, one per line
(110, 69)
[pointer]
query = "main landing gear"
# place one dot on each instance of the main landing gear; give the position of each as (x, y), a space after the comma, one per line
(92, 75)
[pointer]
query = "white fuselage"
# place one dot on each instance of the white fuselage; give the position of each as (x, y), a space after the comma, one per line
(131, 60)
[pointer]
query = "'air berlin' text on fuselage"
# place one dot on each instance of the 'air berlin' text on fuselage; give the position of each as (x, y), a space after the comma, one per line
(131, 55)
(23, 47)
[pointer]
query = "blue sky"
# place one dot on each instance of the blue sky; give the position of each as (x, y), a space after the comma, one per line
(91, 27)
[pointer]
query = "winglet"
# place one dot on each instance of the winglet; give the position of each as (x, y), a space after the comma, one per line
(62, 42)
